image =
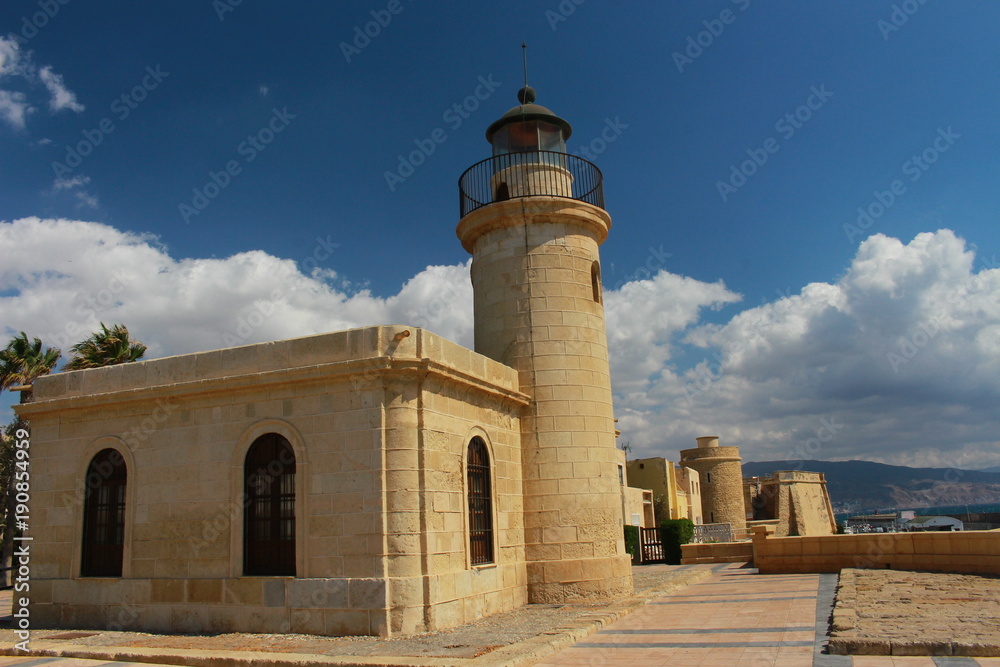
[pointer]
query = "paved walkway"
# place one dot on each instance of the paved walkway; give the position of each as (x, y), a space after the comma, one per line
(72, 662)
(735, 617)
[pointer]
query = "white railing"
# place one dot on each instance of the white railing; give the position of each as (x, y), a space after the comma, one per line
(713, 532)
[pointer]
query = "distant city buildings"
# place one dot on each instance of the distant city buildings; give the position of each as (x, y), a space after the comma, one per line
(901, 521)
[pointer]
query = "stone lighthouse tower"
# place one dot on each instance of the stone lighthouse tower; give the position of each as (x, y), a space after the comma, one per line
(533, 218)
(721, 481)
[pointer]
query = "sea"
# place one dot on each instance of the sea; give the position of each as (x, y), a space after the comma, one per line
(925, 511)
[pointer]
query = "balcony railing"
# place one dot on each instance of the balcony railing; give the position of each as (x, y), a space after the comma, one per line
(514, 175)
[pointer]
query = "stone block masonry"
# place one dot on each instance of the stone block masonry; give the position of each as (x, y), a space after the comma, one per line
(379, 422)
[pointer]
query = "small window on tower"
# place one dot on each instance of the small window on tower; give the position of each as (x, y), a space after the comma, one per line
(708, 478)
(595, 280)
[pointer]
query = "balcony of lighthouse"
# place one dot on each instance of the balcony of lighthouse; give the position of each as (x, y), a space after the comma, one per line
(528, 174)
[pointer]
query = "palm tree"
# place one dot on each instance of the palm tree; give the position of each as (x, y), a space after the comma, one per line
(106, 347)
(22, 361)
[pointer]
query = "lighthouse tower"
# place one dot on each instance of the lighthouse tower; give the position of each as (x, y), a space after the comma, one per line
(533, 218)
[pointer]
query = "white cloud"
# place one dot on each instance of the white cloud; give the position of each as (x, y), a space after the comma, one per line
(809, 375)
(70, 275)
(62, 98)
(898, 360)
(77, 185)
(15, 64)
(86, 200)
(14, 108)
(10, 57)
(70, 183)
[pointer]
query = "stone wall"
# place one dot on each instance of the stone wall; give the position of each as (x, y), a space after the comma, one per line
(539, 309)
(721, 479)
(797, 500)
(972, 552)
(379, 420)
(717, 552)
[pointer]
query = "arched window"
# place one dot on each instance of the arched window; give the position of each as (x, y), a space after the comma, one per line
(269, 517)
(595, 280)
(480, 503)
(104, 516)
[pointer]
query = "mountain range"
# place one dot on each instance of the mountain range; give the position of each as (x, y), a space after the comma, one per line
(857, 485)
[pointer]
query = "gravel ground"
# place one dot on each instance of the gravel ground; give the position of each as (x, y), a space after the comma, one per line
(463, 642)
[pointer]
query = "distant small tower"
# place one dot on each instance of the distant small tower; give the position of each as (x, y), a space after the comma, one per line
(721, 481)
(533, 217)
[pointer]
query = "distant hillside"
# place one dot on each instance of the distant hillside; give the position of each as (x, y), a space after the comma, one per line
(863, 484)
(993, 469)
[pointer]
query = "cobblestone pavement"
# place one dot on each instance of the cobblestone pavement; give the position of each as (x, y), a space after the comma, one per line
(934, 613)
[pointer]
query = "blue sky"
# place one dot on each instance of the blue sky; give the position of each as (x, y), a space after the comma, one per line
(744, 137)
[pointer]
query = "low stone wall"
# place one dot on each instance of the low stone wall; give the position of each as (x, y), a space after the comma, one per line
(717, 552)
(972, 552)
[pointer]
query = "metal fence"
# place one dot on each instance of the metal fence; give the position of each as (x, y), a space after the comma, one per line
(651, 546)
(514, 175)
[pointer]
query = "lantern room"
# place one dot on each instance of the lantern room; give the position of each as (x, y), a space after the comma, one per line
(528, 127)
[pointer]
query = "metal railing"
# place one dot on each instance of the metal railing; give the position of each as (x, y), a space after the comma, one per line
(515, 175)
(713, 532)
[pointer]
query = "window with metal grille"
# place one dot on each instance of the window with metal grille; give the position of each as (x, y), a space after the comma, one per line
(104, 516)
(269, 516)
(480, 503)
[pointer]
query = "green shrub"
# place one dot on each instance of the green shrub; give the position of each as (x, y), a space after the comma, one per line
(632, 541)
(674, 533)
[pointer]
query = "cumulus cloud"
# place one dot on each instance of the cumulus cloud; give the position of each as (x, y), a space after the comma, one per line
(898, 360)
(67, 276)
(18, 67)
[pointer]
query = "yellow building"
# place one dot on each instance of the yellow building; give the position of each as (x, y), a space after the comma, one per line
(676, 489)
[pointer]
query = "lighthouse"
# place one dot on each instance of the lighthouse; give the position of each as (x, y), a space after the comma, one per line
(533, 218)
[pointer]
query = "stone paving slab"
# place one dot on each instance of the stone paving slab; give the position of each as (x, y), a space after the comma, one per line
(723, 616)
(520, 637)
(736, 617)
(904, 613)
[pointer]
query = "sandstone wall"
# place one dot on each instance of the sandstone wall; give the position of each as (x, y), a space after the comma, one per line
(962, 551)
(538, 307)
(379, 423)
